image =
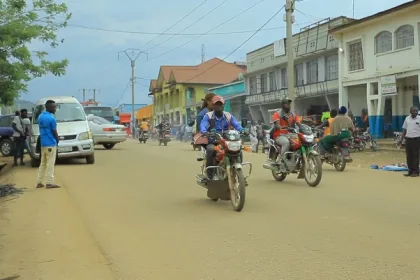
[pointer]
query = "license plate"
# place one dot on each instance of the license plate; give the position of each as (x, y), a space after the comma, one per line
(65, 149)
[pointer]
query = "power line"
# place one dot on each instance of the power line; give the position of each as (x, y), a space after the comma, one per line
(209, 12)
(122, 95)
(223, 23)
(173, 25)
(308, 15)
(237, 48)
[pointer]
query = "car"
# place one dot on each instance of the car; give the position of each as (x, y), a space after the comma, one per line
(105, 132)
(73, 130)
(6, 135)
(105, 112)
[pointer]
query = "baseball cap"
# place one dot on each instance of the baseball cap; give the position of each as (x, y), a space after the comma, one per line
(217, 99)
(286, 101)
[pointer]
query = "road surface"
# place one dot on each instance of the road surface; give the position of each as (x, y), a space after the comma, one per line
(137, 214)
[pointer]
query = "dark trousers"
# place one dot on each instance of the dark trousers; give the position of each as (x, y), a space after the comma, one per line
(260, 140)
(210, 156)
(19, 148)
(412, 151)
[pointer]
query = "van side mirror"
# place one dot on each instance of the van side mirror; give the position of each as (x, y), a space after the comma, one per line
(244, 122)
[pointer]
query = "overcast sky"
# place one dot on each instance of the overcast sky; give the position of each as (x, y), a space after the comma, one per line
(93, 54)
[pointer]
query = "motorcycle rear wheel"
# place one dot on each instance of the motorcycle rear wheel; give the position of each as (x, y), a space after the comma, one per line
(278, 176)
(238, 196)
(341, 165)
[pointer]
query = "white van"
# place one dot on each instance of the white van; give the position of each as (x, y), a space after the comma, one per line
(72, 127)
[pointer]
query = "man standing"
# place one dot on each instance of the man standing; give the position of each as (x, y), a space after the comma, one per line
(411, 133)
(254, 137)
(19, 137)
(49, 141)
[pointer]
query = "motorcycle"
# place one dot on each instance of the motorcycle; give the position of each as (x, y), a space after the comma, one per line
(164, 137)
(229, 182)
(144, 135)
(301, 159)
(359, 142)
(397, 140)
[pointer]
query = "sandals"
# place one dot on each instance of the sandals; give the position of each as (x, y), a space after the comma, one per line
(52, 186)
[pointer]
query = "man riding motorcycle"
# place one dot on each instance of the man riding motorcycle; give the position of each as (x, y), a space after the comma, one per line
(164, 127)
(328, 122)
(341, 128)
(223, 121)
(144, 126)
(281, 120)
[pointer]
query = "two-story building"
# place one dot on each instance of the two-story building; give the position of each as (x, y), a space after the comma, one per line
(178, 91)
(316, 72)
(379, 62)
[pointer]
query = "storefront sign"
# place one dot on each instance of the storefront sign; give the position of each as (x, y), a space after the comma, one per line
(389, 85)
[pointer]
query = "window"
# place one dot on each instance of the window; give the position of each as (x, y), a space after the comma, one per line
(253, 85)
(284, 78)
(299, 80)
(331, 65)
(66, 112)
(383, 42)
(273, 83)
(98, 120)
(6, 121)
(263, 83)
(404, 37)
(356, 56)
(105, 112)
(312, 71)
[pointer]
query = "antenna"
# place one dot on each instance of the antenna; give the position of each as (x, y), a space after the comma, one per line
(203, 53)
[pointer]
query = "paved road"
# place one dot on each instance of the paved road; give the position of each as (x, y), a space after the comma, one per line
(141, 209)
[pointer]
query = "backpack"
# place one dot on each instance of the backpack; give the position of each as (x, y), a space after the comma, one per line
(227, 115)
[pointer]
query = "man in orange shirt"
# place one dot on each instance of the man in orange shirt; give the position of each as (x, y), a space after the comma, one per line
(281, 120)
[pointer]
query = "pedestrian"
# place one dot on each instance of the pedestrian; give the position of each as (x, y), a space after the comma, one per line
(19, 137)
(27, 129)
(260, 136)
(411, 134)
(253, 136)
(49, 141)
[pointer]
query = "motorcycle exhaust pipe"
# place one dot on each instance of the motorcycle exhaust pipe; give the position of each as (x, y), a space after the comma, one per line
(269, 166)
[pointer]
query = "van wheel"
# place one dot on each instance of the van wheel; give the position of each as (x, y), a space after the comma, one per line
(109, 146)
(6, 147)
(90, 159)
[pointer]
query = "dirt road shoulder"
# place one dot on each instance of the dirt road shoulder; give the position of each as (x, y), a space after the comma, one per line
(43, 237)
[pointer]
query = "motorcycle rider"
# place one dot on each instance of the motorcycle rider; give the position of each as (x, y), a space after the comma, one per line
(144, 126)
(205, 108)
(328, 122)
(341, 128)
(282, 120)
(223, 121)
(163, 127)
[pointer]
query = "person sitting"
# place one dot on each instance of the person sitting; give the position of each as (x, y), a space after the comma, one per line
(328, 122)
(341, 128)
(223, 121)
(163, 127)
(144, 126)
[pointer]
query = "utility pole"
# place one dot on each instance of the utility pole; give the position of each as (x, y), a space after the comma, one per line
(94, 93)
(84, 94)
(290, 7)
(132, 55)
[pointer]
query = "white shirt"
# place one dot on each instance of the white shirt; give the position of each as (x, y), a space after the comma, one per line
(18, 121)
(412, 125)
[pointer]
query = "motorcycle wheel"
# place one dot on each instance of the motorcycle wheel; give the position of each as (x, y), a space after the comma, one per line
(278, 176)
(238, 197)
(341, 164)
(165, 143)
(144, 141)
(160, 142)
(374, 146)
(316, 169)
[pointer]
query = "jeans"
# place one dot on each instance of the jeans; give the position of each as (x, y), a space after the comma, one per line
(19, 148)
(46, 168)
(328, 141)
(283, 141)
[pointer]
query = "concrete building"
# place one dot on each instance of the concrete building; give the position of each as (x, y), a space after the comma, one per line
(234, 95)
(380, 66)
(316, 72)
(178, 90)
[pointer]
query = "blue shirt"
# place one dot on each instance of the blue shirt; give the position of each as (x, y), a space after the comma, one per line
(47, 125)
(200, 117)
(221, 124)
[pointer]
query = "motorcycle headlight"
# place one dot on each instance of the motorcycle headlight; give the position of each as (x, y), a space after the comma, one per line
(309, 138)
(85, 135)
(233, 146)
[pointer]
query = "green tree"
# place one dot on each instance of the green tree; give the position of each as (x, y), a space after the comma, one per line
(23, 22)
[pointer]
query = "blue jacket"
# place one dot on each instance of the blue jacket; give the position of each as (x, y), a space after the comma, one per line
(220, 124)
(200, 117)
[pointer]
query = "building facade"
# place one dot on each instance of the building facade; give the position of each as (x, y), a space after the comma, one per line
(379, 62)
(178, 91)
(316, 72)
(234, 95)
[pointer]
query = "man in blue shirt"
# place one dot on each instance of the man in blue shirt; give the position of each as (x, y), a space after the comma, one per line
(49, 141)
(223, 121)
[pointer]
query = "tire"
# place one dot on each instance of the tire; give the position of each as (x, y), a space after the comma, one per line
(239, 205)
(144, 141)
(215, 199)
(374, 146)
(6, 147)
(139, 140)
(279, 177)
(318, 165)
(90, 159)
(342, 165)
(109, 146)
(35, 162)
(160, 143)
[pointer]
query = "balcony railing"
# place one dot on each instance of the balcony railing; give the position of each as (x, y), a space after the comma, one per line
(273, 96)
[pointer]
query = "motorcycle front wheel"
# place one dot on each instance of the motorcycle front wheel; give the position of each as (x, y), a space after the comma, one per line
(237, 195)
(313, 170)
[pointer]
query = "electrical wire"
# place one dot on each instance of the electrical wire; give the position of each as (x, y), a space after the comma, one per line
(237, 48)
(209, 12)
(308, 15)
(173, 25)
(123, 93)
(201, 35)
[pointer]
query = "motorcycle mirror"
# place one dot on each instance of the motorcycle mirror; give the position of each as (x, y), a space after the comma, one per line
(244, 122)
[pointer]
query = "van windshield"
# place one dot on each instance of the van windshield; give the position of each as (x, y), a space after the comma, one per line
(66, 112)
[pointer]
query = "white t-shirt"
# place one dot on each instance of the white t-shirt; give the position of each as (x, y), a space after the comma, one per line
(18, 121)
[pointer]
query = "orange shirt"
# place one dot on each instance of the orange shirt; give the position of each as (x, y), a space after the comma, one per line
(327, 130)
(293, 119)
